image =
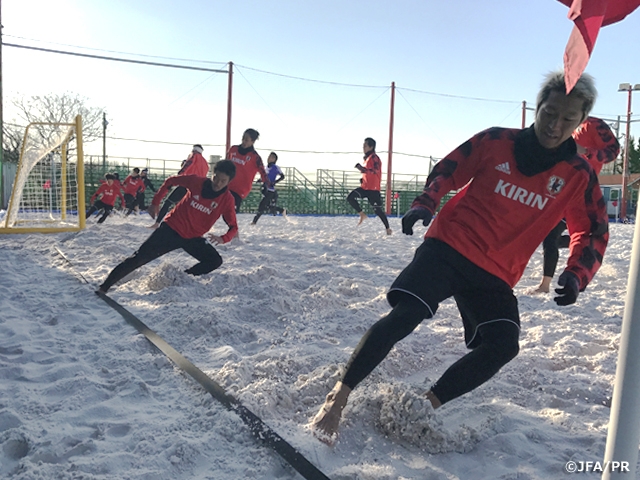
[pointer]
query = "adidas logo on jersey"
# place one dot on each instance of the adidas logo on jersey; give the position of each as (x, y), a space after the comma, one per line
(520, 194)
(504, 168)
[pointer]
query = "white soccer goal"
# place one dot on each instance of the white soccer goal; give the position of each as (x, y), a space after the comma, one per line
(48, 190)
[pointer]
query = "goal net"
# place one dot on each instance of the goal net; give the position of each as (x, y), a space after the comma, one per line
(48, 190)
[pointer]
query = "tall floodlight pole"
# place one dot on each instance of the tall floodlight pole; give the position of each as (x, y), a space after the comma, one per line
(229, 96)
(524, 114)
(389, 161)
(104, 142)
(626, 87)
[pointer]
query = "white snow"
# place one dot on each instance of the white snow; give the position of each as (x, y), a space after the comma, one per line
(84, 396)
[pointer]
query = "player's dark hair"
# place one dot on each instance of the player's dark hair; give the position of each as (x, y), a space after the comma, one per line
(227, 167)
(253, 134)
(110, 176)
(136, 170)
(371, 142)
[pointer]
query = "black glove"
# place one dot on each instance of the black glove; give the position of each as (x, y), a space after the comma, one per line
(412, 216)
(570, 289)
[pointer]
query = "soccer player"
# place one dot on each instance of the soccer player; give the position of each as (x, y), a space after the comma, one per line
(132, 185)
(521, 183)
(146, 183)
(597, 143)
(106, 194)
(248, 163)
(205, 202)
(270, 196)
(370, 184)
(195, 164)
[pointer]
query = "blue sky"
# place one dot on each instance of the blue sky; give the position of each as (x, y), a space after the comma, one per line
(443, 56)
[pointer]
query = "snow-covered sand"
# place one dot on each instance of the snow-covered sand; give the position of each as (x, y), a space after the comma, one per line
(84, 396)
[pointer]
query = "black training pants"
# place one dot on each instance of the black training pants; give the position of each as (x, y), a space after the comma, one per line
(162, 241)
(100, 205)
(268, 204)
(375, 200)
(550, 246)
(499, 345)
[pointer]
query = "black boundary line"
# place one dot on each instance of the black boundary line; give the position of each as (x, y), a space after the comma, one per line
(260, 430)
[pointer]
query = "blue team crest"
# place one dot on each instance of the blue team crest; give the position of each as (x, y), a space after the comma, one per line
(555, 185)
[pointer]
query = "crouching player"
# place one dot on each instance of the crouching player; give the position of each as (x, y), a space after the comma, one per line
(108, 193)
(206, 201)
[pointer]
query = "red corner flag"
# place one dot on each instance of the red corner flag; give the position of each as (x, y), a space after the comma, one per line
(589, 16)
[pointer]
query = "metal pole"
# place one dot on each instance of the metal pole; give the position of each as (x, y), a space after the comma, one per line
(229, 97)
(625, 163)
(104, 142)
(524, 114)
(1, 121)
(389, 161)
(80, 172)
(624, 421)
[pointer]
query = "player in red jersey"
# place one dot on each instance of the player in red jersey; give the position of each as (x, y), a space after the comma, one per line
(370, 184)
(107, 193)
(205, 202)
(597, 143)
(195, 164)
(248, 163)
(521, 183)
(132, 185)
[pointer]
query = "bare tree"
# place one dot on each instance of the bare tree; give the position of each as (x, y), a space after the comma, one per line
(55, 108)
(11, 141)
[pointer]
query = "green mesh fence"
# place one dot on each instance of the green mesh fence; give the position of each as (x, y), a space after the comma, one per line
(322, 193)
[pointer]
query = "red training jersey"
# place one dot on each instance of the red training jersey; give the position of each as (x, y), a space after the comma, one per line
(108, 194)
(501, 217)
(602, 146)
(116, 183)
(372, 173)
(132, 185)
(194, 215)
(195, 164)
(247, 165)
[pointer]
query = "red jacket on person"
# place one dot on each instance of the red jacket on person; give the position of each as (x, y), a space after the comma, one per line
(132, 185)
(108, 193)
(371, 172)
(195, 164)
(194, 215)
(602, 146)
(248, 163)
(500, 218)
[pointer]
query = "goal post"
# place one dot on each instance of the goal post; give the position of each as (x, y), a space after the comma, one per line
(48, 193)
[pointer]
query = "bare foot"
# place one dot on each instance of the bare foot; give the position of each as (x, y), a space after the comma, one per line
(363, 217)
(540, 289)
(325, 423)
(154, 226)
(389, 231)
(544, 286)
